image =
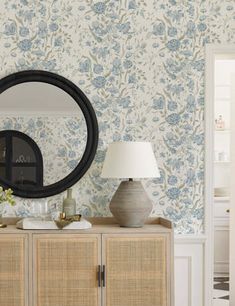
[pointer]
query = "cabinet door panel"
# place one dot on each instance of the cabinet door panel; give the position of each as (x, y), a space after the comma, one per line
(66, 270)
(13, 274)
(136, 270)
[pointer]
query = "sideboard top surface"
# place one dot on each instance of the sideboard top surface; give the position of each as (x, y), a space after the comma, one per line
(100, 226)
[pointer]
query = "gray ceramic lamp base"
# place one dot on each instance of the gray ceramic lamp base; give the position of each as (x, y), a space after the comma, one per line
(130, 204)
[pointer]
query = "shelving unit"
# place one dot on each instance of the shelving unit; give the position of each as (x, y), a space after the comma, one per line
(221, 162)
(221, 199)
(222, 136)
(222, 106)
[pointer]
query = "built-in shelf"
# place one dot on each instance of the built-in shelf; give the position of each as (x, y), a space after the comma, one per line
(222, 162)
(221, 199)
(222, 99)
(223, 131)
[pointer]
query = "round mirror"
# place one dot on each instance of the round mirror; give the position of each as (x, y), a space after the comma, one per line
(48, 133)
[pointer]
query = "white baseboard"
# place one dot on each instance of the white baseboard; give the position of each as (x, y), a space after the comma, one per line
(189, 270)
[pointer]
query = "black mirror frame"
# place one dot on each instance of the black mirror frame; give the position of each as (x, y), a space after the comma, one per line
(91, 122)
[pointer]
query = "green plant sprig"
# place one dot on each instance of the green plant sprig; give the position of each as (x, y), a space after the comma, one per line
(6, 196)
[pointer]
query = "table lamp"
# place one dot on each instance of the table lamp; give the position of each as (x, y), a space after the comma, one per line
(130, 204)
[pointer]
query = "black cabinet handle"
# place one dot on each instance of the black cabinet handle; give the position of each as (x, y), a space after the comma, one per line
(103, 276)
(99, 275)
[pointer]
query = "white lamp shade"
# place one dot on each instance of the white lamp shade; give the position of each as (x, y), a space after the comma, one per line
(130, 160)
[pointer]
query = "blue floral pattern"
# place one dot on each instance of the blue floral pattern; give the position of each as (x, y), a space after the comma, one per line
(141, 63)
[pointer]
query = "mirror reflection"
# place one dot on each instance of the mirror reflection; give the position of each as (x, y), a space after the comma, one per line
(50, 124)
(21, 161)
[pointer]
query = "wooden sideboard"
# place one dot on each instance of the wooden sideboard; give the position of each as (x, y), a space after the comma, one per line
(103, 266)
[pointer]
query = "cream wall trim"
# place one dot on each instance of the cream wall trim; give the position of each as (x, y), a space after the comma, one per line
(190, 239)
(209, 145)
(189, 270)
(232, 195)
(211, 51)
(185, 285)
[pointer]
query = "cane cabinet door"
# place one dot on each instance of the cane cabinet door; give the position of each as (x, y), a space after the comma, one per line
(136, 270)
(13, 270)
(65, 270)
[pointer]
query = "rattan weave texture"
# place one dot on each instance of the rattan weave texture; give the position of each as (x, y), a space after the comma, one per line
(136, 271)
(12, 271)
(66, 271)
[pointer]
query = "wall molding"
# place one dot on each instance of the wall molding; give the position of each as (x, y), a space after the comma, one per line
(189, 262)
(190, 239)
(221, 225)
(211, 51)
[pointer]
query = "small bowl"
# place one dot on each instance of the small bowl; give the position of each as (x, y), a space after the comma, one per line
(62, 223)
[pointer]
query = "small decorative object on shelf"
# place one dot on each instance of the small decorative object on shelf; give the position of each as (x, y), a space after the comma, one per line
(220, 123)
(39, 208)
(62, 216)
(69, 204)
(64, 221)
(5, 197)
(75, 222)
(221, 156)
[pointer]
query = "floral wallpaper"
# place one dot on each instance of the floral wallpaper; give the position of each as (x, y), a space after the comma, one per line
(141, 63)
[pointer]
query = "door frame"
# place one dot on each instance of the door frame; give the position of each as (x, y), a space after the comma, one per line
(211, 51)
